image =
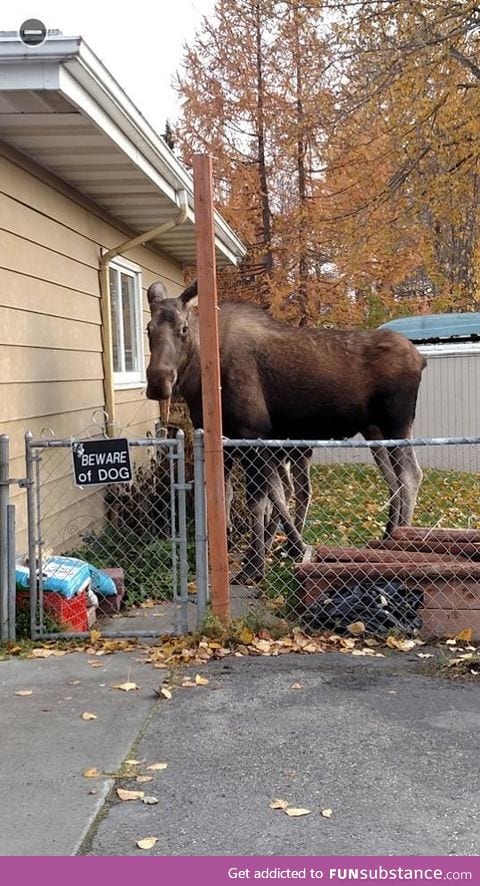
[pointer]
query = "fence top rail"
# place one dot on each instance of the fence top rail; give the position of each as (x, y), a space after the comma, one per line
(259, 443)
(67, 442)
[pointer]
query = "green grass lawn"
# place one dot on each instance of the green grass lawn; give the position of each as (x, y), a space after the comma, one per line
(350, 503)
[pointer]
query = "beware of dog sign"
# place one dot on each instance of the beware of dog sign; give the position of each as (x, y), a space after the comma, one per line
(98, 462)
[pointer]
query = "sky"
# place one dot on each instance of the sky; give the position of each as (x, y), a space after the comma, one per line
(141, 49)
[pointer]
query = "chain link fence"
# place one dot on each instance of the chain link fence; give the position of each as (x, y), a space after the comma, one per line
(307, 541)
(317, 553)
(97, 548)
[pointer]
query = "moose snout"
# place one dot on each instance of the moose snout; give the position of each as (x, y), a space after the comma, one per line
(160, 382)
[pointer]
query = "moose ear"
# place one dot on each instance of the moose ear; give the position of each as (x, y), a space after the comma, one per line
(189, 296)
(156, 293)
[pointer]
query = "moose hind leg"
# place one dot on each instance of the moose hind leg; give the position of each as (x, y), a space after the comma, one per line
(410, 478)
(386, 466)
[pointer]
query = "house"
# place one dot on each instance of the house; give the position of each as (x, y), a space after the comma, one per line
(82, 174)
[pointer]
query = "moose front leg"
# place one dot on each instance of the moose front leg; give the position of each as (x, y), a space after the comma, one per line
(276, 492)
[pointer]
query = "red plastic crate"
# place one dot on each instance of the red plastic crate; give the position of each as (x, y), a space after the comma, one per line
(70, 614)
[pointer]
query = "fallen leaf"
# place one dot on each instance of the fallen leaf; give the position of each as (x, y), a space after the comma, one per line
(165, 692)
(357, 627)
(155, 767)
(464, 636)
(295, 811)
(263, 646)
(160, 664)
(201, 681)
(125, 687)
(92, 773)
(88, 716)
(246, 637)
(142, 779)
(310, 647)
(278, 804)
(147, 604)
(424, 655)
(95, 635)
(132, 762)
(147, 842)
(188, 683)
(129, 795)
(296, 686)
(327, 813)
(402, 645)
(451, 642)
(149, 801)
(74, 682)
(23, 692)
(95, 664)
(46, 653)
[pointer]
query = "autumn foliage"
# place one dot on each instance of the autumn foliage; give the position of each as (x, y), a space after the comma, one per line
(345, 138)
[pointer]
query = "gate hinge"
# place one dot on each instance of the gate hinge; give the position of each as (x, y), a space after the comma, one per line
(22, 482)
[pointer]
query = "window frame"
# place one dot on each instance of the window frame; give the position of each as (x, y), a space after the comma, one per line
(128, 378)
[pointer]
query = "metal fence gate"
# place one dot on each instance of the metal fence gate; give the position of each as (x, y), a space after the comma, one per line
(143, 535)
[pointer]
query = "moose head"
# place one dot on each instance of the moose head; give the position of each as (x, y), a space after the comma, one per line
(169, 338)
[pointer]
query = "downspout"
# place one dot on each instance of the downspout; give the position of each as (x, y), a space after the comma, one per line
(110, 406)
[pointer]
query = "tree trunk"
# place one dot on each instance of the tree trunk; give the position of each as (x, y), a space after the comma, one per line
(262, 166)
(301, 177)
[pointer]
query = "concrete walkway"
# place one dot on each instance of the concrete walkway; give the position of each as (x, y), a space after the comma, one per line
(47, 804)
(391, 749)
(393, 752)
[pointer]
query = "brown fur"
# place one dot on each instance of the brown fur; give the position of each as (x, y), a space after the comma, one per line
(282, 382)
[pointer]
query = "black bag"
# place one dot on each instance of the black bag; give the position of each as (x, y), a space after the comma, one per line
(381, 605)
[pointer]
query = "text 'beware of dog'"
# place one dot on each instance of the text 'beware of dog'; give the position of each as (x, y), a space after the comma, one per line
(97, 462)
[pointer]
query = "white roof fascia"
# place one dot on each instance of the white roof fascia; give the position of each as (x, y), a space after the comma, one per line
(68, 65)
(74, 91)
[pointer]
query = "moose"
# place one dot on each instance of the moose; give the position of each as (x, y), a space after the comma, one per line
(285, 382)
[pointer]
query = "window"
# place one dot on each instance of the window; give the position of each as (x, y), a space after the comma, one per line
(127, 339)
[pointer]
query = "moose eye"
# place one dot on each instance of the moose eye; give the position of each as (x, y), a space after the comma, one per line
(183, 330)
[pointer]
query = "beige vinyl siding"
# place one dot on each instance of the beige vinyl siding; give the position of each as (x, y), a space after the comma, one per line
(51, 369)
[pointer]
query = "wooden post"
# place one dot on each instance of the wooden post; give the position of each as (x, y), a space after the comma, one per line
(211, 385)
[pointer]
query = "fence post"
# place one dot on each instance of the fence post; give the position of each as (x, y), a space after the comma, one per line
(4, 497)
(201, 550)
(32, 534)
(182, 531)
(211, 384)
(12, 587)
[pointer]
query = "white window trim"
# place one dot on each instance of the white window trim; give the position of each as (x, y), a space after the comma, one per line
(129, 380)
